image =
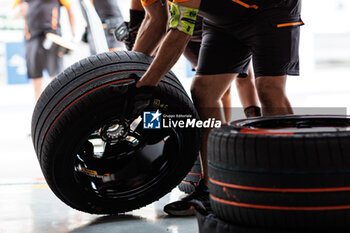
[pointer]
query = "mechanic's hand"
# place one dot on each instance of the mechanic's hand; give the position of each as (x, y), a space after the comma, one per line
(142, 99)
(131, 38)
(126, 34)
(139, 98)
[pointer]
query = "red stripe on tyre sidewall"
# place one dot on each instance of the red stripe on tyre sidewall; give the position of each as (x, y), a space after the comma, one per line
(281, 190)
(107, 84)
(262, 132)
(287, 208)
(80, 87)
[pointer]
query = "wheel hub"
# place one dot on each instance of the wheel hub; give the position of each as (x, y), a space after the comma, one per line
(114, 132)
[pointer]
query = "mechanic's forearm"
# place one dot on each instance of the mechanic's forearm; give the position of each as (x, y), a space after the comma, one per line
(136, 5)
(168, 54)
(149, 36)
(152, 30)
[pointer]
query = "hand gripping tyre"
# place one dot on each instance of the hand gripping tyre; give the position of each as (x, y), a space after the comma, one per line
(93, 158)
(288, 172)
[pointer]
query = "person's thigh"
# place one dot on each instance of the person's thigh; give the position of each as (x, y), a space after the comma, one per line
(277, 53)
(222, 53)
(192, 52)
(207, 90)
(275, 43)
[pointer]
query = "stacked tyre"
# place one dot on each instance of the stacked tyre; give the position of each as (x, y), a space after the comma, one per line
(290, 172)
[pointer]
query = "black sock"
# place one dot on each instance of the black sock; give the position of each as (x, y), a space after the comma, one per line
(136, 17)
(252, 111)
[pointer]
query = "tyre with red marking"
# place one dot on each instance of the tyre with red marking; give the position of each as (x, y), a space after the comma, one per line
(93, 158)
(285, 171)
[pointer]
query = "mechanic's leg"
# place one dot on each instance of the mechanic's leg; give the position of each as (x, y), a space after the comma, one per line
(37, 83)
(227, 104)
(153, 28)
(272, 95)
(248, 94)
(247, 90)
(207, 92)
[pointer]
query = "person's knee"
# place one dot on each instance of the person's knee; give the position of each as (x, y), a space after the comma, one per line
(271, 91)
(201, 92)
(227, 93)
(244, 82)
(209, 89)
(268, 98)
(197, 90)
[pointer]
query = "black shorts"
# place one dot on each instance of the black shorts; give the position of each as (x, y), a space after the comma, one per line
(39, 59)
(271, 39)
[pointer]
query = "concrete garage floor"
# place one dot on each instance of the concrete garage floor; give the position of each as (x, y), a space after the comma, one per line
(28, 206)
(32, 208)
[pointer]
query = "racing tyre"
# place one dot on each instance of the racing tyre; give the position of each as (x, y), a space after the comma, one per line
(93, 158)
(288, 172)
(210, 223)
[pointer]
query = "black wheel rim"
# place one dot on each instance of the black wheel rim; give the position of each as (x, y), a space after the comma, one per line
(126, 168)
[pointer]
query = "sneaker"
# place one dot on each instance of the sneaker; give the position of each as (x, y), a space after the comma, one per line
(199, 199)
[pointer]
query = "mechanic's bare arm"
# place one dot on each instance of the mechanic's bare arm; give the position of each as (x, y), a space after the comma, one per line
(169, 52)
(136, 5)
(153, 28)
